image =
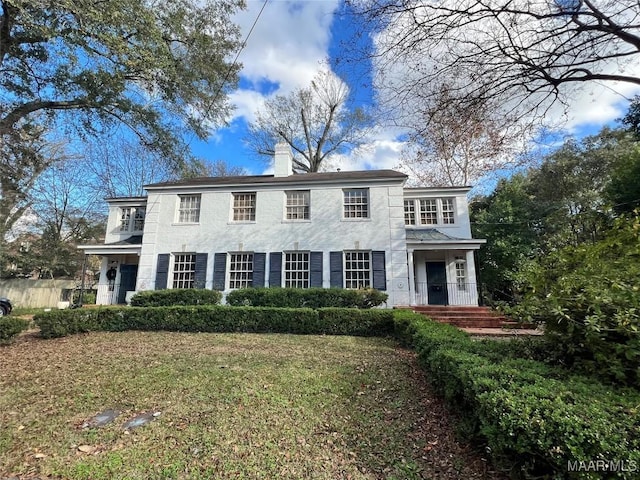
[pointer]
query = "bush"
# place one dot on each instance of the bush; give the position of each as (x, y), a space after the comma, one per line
(534, 416)
(307, 297)
(171, 297)
(330, 321)
(11, 327)
(88, 297)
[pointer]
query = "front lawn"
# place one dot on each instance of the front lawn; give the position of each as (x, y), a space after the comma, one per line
(230, 406)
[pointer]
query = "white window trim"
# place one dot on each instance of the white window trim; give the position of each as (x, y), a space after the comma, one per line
(177, 218)
(356, 219)
(172, 266)
(296, 220)
(439, 212)
(132, 219)
(232, 221)
(344, 269)
(283, 281)
(228, 269)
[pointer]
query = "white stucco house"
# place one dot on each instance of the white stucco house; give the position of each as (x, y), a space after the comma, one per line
(334, 229)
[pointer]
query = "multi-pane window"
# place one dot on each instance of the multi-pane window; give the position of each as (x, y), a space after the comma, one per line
(356, 203)
(409, 212)
(125, 219)
(184, 270)
(241, 270)
(297, 205)
(296, 270)
(447, 211)
(429, 211)
(461, 274)
(244, 207)
(357, 269)
(189, 210)
(138, 219)
(132, 219)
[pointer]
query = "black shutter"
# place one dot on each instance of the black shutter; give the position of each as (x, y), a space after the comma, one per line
(162, 271)
(275, 269)
(259, 264)
(379, 270)
(335, 267)
(219, 270)
(201, 270)
(315, 269)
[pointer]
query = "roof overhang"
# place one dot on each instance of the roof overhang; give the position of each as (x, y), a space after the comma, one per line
(472, 244)
(106, 250)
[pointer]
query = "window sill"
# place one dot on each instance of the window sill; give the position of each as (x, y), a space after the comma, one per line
(247, 222)
(184, 224)
(355, 219)
(296, 221)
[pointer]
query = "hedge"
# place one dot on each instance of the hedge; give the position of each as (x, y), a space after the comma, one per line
(535, 417)
(331, 321)
(178, 296)
(10, 327)
(307, 297)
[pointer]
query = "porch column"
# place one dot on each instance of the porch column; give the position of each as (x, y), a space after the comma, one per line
(412, 279)
(472, 276)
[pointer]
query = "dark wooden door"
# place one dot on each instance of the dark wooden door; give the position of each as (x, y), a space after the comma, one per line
(437, 283)
(128, 274)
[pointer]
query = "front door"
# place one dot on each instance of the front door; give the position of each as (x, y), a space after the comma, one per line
(437, 283)
(128, 274)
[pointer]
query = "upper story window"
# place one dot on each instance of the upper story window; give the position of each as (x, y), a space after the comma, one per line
(297, 205)
(132, 219)
(189, 210)
(430, 211)
(356, 203)
(184, 270)
(244, 207)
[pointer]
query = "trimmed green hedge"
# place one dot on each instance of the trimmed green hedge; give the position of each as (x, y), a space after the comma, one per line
(330, 321)
(307, 297)
(174, 297)
(11, 327)
(531, 415)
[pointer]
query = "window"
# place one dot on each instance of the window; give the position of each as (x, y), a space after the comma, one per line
(184, 270)
(241, 270)
(189, 211)
(432, 211)
(357, 269)
(428, 212)
(244, 207)
(447, 211)
(297, 205)
(461, 274)
(138, 219)
(125, 219)
(409, 212)
(296, 270)
(356, 203)
(129, 213)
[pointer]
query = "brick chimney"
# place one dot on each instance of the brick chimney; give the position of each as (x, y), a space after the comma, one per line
(283, 161)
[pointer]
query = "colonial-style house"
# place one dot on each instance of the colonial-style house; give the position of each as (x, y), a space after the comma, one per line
(335, 229)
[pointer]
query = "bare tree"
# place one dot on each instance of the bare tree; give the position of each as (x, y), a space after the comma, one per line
(315, 122)
(452, 143)
(527, 53)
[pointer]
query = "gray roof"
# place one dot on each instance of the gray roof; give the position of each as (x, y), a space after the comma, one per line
(292, 179)
(429, 234)
(132, 240)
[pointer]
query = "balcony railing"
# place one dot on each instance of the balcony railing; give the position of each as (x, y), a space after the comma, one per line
(459, 293)
(107, 293)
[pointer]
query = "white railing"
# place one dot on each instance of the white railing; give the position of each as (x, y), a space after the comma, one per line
(107, 294)
(454, 293)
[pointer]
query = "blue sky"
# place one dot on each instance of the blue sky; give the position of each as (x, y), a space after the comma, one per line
(289, 44)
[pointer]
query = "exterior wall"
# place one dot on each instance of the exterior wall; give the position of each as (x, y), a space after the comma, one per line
(462, 226)
(326, 230)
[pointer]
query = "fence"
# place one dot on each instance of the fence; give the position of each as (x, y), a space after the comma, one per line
(451, 293)
(27, 293)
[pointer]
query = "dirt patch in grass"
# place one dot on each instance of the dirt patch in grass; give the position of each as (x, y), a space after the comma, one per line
(227, 406)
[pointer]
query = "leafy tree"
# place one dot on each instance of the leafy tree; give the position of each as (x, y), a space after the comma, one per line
(157, 68)
(315, 122)
(623, 190)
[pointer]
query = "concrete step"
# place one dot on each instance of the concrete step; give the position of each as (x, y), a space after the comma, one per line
(467, 316)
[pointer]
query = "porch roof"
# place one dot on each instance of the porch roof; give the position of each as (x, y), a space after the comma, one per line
(129, 245)
(435, 239)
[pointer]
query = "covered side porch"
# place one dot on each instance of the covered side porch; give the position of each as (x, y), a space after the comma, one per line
(441, 268)
(118, 269)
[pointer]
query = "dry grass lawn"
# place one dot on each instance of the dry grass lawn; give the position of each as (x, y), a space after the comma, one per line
(231, 406)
